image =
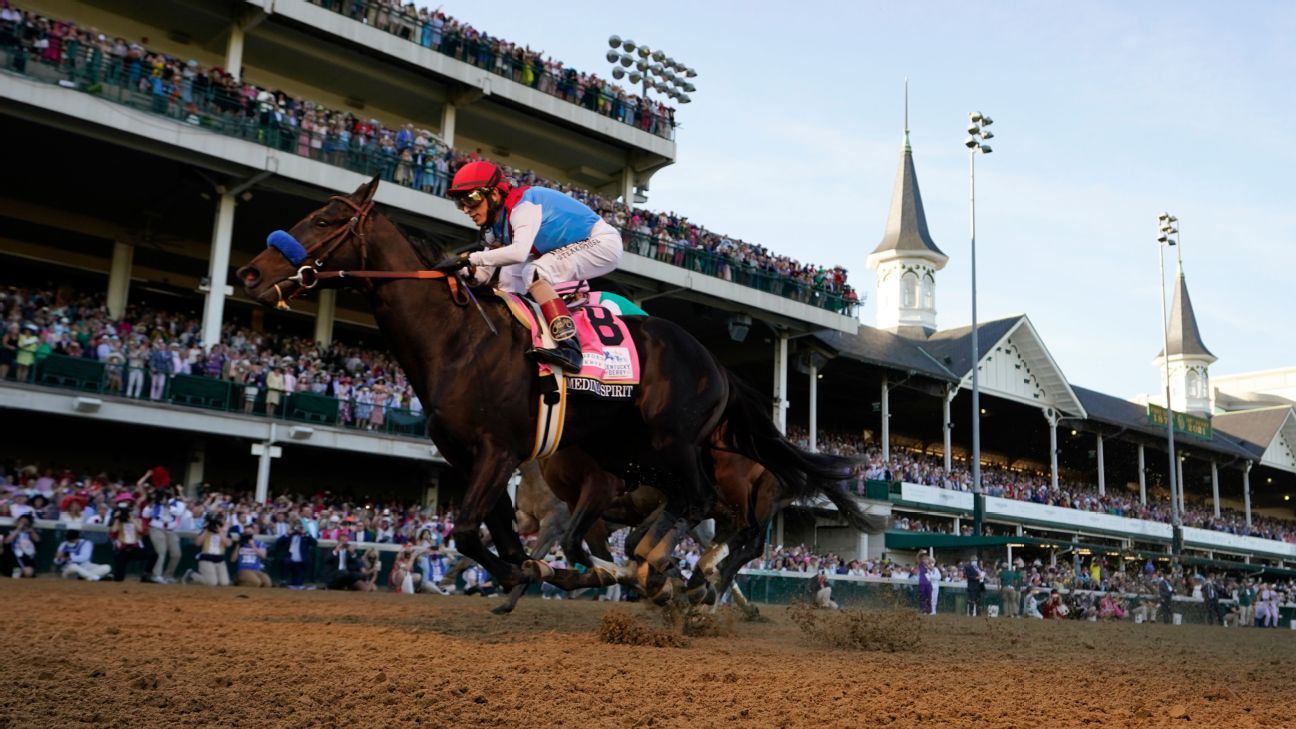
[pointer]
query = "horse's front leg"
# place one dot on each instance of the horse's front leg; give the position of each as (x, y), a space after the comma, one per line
(487, 482)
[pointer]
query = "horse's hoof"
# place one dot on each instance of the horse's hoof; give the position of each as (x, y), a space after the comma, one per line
(502, 609)
(664, 594)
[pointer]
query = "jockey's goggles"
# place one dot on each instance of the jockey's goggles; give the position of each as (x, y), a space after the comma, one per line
(472, 199)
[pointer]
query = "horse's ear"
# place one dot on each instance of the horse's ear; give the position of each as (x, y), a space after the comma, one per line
(365, 192)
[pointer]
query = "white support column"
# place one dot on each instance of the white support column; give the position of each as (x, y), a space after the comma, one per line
(265, 452)
(627, 185)
(263, 474)
(778, 530)
(218, 271)
(780, 382)
(1215, 487)
(886, 420)
(814, 408)
(448, 114)
(1246, 491)
(119, 275)
(1102, 473)
(326, 310)
(1052, 419)
(234, 52)
(948, 399)
(1142, 465)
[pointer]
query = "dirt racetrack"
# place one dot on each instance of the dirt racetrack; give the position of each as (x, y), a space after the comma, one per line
(136, 655)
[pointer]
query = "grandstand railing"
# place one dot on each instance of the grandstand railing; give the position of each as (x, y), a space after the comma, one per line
(220, 111)
(210, 393)
(743, 274)
(514, 67)
(1027, 513)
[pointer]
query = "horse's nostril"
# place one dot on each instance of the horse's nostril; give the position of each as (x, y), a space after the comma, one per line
(248, 275)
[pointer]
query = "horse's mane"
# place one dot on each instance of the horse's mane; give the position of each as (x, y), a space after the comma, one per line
(427, 249)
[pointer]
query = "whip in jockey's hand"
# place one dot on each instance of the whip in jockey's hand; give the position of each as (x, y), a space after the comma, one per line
(537, 238)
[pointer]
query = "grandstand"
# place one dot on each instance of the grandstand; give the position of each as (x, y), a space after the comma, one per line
(158, 185)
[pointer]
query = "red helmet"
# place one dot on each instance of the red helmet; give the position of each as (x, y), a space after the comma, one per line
(475, 176)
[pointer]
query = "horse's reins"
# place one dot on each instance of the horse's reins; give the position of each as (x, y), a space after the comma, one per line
(309, 276)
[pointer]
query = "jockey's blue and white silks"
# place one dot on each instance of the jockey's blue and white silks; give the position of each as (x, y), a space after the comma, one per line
(537, 219)
(282, 241)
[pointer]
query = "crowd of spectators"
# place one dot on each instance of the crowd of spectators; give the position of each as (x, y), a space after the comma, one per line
(404, 153)
(1024, 485)
(144, 522)
(150, 345)
(146, 516)
(445, 34)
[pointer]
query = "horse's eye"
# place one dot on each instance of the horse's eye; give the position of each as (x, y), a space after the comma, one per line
(321, 222)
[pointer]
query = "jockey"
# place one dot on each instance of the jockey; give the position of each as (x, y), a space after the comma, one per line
(537, 238)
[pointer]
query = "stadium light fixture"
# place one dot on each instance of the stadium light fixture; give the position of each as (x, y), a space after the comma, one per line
(1166, 233)
(975, 143)
(654, 70)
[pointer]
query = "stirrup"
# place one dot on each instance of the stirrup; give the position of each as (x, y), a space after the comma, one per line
(567, 355)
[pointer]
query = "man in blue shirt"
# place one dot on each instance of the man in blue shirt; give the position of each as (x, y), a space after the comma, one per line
(536, 237)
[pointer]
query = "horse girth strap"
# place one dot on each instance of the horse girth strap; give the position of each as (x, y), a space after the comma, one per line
(457, 292)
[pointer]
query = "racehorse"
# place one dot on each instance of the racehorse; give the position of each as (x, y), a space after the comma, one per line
(480, 394)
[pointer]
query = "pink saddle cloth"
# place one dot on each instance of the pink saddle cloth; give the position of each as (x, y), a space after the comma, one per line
(609, 355)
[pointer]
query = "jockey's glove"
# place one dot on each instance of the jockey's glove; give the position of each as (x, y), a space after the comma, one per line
(454, 263)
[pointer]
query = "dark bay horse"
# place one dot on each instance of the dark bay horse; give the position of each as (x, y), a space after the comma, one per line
(481, 394)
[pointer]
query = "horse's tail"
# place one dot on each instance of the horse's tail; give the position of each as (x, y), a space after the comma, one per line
(747, 429)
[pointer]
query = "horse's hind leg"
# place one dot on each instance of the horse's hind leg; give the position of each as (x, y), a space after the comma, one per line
(509, 545)
(597, 491)
(500, 523)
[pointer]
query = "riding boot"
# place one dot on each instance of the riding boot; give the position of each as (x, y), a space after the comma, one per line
(567, 354)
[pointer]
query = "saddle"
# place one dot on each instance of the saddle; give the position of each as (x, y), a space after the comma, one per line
(609, 357)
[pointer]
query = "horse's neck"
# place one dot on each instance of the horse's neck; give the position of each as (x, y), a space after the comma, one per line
(415, 318)
(433, 338)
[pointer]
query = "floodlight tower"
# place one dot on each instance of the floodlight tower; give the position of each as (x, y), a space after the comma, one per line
(653, 69)
(978, 134)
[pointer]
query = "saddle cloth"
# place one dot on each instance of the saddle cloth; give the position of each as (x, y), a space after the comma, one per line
(610, 360)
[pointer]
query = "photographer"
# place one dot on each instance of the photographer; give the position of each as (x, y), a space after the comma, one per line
(22, 543)
(212, 543)
(163, 513)
(73, 559)
(126, 531)
(248, 558)
(342, 568)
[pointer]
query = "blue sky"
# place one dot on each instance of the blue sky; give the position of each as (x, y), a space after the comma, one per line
(1106, 114)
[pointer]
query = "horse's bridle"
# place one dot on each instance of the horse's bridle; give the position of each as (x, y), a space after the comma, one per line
(309, 275)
